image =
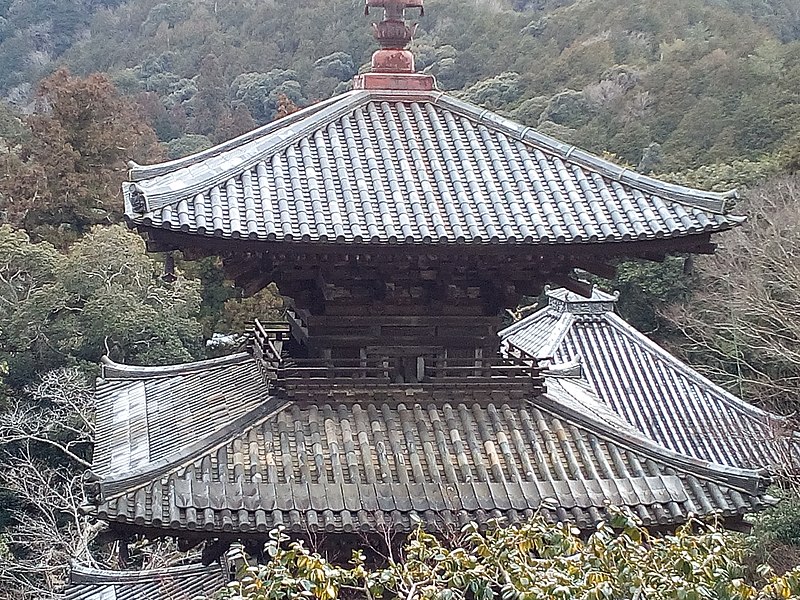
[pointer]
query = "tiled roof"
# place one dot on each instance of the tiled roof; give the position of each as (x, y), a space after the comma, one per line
(144, 413)
(649, 388)
(347, 458)
(173, 583)
(380, 166)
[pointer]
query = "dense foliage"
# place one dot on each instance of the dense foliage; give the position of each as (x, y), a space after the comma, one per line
(101, 297)
(620, 561)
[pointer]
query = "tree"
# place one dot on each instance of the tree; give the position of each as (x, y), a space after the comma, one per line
(103, 296)
(47, 441)
(496, 92)
(59, 312)
(67, 177)
(261, 92)
(741, 322)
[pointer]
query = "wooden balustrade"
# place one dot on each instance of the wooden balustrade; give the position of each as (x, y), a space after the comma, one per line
(267, 340)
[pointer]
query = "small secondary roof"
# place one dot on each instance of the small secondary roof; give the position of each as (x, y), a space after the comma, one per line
(649, 388)
(172, 583)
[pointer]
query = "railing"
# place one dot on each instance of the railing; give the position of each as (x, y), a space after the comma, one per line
(266, 345)
(318, 368)
(401, 369)
(514, 352)
(495, 366)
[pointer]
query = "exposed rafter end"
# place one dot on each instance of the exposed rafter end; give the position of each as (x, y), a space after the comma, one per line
(601, 269)
(573, 285)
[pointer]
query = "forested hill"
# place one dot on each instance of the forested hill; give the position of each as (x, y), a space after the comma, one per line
(666, 86)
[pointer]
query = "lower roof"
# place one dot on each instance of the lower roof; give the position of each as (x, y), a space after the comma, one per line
(172, 583)
(366, 458)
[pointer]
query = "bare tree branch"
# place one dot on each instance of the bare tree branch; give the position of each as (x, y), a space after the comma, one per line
(59, 414)
(742, 325)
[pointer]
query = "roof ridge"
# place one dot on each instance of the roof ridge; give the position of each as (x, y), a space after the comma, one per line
(115, 370)
(749, 481)
(139, 172)
(223, 168)
(116, 484)
(83, 574)
(687, 370)
(715, 202)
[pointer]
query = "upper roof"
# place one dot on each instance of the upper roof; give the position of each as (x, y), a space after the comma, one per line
(341, 458)
(412, 167)
(173, 583)
(649, 388)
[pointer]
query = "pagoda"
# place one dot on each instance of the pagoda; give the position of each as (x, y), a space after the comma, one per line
(399, 222)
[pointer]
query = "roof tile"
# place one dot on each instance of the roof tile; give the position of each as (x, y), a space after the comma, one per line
(650, 389)
(382, 167)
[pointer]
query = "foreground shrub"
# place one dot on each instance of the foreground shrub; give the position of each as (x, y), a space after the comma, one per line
(620, 560)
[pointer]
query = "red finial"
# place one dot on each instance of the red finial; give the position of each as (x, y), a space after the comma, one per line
(393, 64)
(392, 32)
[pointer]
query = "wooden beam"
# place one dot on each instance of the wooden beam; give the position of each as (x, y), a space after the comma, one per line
(573, 285)
(601, 269)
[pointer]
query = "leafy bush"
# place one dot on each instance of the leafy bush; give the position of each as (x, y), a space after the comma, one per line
(620, 560)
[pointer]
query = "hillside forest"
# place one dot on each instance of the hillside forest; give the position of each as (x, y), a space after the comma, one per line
(700, 92)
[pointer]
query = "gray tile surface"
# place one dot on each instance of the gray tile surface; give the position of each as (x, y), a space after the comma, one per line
(174, 583)
(441, 456)
(649, 388)
(383, 167)
(145, 413)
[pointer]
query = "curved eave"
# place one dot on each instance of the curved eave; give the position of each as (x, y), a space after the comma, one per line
(145, 224)
(712, 201)
(88, 575)
(393, 168)
(138, 173)
(115, 370)
(221, 164)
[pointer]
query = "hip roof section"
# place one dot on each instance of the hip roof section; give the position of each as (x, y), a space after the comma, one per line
(377, 458)
(649, 388)
(145, 413)
(384, 167)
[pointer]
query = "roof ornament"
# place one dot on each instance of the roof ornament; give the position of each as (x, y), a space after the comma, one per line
(393, 64)
(563, 300)
(393, 33)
